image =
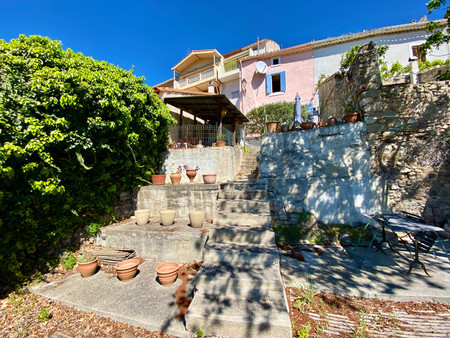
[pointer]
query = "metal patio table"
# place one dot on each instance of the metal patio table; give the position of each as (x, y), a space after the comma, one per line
(400, 223)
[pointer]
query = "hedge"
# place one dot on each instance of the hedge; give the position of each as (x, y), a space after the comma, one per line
(74, 133)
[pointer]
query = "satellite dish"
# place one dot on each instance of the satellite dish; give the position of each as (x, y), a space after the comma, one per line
(261, 67)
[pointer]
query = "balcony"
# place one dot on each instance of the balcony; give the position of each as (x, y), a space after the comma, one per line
(199, 81)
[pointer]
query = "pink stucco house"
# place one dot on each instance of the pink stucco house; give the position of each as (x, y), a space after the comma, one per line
(289, 71)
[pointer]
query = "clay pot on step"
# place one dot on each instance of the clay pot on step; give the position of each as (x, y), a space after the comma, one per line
(351, 118)
(272, 126)
(142, 216)
(221, 143)
(158, 179)
(196, 217)
(167, 217)
(87, 269)
(175, 178)
(126, 270)
(332, 121)
(209, 178)
(307, 125)
(191, 175)
(167, 273)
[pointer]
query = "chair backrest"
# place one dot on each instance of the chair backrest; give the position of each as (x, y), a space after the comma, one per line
(426, 240)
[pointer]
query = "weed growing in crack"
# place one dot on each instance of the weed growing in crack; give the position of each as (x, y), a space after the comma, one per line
(360, 329)
(304, 331)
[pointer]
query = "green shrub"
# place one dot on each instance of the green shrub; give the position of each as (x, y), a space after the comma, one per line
(68, 260)
(279, 111)
(74, 133)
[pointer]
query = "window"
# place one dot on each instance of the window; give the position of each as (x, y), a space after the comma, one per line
(276, 61)
(418, 53)
(276, 82)
(235, 92)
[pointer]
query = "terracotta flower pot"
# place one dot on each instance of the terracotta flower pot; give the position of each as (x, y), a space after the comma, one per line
(87, 269)
(351, 118)
(307, 125)
(191, 175)
(167, 273)
(272, 126)
(196, 218)
(126, 270)
(332, 121)
(221, 143)
(142, 216)
(175, 178)
(209, 178)
(167, 217)
(158, 179)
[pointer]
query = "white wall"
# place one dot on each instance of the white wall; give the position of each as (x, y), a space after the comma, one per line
(227, 88)
(327, 60)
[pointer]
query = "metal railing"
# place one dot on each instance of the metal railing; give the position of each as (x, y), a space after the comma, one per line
(232, 65)
(204, 134)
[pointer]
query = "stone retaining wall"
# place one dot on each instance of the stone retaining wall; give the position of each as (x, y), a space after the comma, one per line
(182, 198)
(408, 134)
(223, 161)
(325, 171)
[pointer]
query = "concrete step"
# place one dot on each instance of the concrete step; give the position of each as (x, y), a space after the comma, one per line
(244, 186)
(248, 195)
(248, 171)
(250, 161)
(237, 219)
(253, 282)
(239, 253)
(229, 317)
(243, 205)
(253, 235)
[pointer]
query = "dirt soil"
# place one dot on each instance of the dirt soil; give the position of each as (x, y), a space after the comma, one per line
(313, 314)
(322, 314)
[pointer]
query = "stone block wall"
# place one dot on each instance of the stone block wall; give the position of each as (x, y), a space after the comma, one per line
(325, 171)
(408, 131)
(182, 198)
(340, 90)
(408, 134)
(223, 161)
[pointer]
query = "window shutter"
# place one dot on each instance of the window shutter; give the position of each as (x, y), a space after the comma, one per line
(283, 81)
(268, 84)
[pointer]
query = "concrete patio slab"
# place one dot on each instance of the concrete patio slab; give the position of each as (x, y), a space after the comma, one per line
(343, 271)
(142, 302)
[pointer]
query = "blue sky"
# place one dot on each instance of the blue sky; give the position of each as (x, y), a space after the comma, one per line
(153, 36)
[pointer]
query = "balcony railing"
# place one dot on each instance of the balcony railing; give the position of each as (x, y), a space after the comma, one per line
(232, 65)
(197, 77)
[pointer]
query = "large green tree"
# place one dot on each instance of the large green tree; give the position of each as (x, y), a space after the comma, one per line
(74, 133)
(439, 35)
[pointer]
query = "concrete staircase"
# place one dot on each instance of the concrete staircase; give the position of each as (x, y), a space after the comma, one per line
(249, 165)
(238, 290)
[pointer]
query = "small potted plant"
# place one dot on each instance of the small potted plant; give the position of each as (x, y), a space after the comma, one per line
(87, 264)
(191, 173)
(159, 179)
(351, 115)
(221, 140)
(176, 176)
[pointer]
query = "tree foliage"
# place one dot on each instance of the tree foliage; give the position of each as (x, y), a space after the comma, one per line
(438, 34)
(74, 133)
(282, 112)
